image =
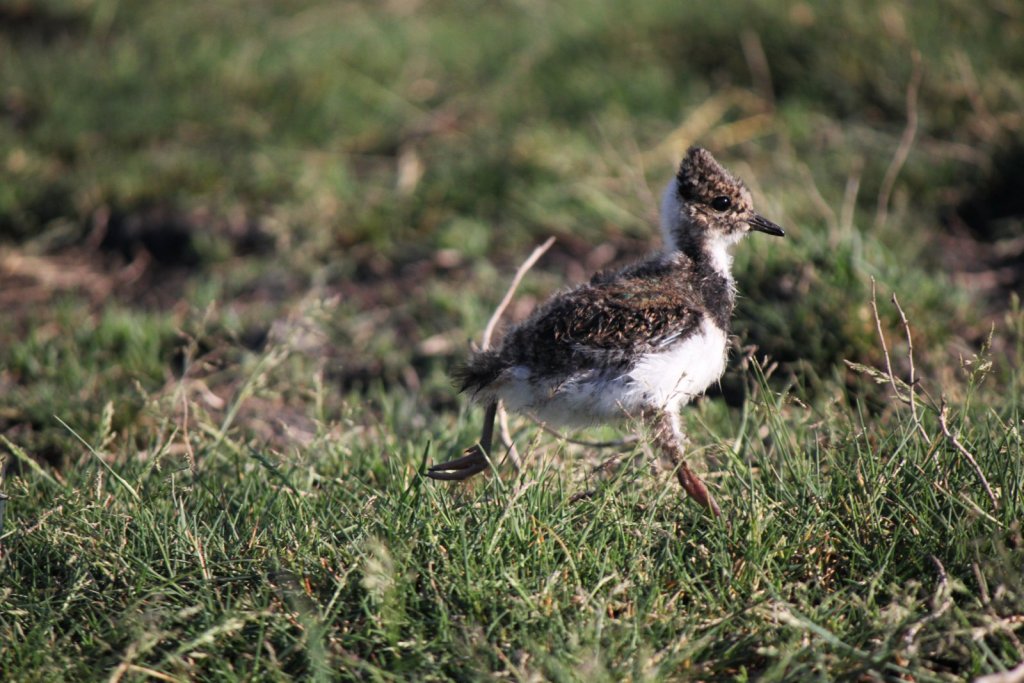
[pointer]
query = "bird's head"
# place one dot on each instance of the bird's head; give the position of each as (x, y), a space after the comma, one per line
(706, 205)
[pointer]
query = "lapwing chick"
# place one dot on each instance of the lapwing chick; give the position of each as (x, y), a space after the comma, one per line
(635, 344)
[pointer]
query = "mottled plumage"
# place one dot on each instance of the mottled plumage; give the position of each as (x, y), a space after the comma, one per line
(638, 342)
(607, 323)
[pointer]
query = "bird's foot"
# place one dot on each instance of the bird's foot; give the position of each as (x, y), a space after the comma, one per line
(473, 462)
(696, 489)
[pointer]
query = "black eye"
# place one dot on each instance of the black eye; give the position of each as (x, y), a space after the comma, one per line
(721, 203)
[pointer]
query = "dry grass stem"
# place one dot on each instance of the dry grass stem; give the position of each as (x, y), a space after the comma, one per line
(506, 438)
(885, 346)
(943, 412)
(906, 142)
(757, 63)
(814, 194)
(624, 441)
(485, 343)
(912, 400)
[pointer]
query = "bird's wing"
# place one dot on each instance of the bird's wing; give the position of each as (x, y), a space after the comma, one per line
(607, 322)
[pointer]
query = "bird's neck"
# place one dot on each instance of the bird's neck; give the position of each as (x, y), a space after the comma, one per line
(682, 236)
(707, 267)
(710, 254)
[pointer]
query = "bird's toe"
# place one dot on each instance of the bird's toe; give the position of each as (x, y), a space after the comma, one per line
(473, 462)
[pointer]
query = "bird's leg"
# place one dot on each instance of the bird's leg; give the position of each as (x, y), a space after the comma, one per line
(474, 459)
(669, 439)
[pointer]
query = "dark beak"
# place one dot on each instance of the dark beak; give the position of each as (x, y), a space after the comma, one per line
(762, 224)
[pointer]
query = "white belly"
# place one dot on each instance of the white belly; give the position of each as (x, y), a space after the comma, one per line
(660, 380)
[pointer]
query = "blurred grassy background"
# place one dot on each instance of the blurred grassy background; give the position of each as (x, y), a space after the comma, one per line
(160, 159)
(188, 188)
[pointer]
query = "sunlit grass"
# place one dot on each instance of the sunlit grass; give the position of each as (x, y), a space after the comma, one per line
(240, 247)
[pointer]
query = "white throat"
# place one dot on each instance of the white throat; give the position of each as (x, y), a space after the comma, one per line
(721, 259)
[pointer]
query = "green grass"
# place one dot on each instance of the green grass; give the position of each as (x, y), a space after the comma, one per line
(240, 247)
(854, 546)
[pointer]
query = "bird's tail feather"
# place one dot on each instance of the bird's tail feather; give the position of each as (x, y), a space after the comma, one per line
(481, 369)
